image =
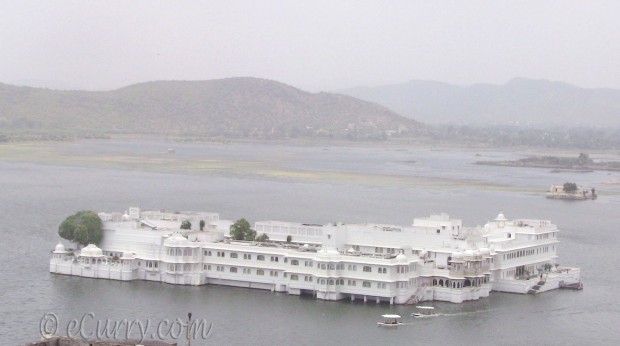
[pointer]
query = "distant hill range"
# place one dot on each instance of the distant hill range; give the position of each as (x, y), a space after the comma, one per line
(518, 102)
(234, 107)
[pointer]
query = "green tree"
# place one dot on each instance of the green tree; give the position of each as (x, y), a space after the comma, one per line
(83, 227)
(262, 238)
(584, 159)
(289, 238)
(250, 235)
(202, 225)
(186, 224)
(241, 230)
(570, 187)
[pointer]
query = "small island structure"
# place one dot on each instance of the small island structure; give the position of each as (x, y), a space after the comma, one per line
(571, 191)
(435, 258)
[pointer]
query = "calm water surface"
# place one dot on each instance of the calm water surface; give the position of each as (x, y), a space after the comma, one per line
(35, 198)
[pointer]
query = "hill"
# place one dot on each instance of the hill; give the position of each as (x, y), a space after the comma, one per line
(518, 102)
(234, 107)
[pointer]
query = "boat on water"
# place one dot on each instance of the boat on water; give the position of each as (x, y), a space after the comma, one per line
(424, 311)
(390, 321)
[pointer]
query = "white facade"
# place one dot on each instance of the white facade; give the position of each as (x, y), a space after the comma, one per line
(435, 258)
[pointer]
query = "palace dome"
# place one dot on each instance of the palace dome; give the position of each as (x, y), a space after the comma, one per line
(401, 257)
(91, 251)
(59, 248)
(176, 240)
(501, 217)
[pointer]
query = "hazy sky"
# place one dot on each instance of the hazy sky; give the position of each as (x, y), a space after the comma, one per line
(313, 45)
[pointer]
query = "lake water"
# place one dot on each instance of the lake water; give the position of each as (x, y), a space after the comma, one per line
(380, 184)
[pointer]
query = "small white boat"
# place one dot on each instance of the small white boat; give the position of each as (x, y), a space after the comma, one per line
(390, 321)
(424, 311)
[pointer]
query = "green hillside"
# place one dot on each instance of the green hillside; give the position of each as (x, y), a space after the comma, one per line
(226, 108)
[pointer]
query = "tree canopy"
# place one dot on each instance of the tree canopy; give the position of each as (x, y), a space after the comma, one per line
(584, 159)
(570, 187)
(186, 224)
(83, 227)
(262, 238)
(241, 230)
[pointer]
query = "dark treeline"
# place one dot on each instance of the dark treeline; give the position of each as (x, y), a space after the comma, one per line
(515, 136)
(492, 136)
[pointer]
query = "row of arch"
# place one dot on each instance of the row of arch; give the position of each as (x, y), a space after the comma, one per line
(476, 282)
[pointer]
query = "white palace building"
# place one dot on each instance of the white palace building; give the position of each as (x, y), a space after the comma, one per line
(435, 258)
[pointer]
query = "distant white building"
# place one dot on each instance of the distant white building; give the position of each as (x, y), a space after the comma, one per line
(435, 258)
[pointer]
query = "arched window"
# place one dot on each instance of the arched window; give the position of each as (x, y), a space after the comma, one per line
(260, 257)
(260, 272)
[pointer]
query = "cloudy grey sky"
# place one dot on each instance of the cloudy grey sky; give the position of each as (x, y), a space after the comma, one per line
(314, 45)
